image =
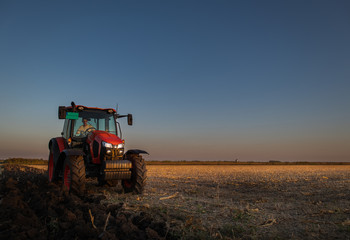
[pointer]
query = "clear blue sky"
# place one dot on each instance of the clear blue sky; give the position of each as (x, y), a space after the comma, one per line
(205, 80)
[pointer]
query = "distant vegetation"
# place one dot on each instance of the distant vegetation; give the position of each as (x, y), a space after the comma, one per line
(273, 162)
(184, 162)
(25, 161)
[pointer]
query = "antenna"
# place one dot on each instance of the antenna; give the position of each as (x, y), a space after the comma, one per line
(117, 108)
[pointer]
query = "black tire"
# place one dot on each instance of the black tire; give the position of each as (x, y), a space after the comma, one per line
(51, 169)
(138, 179)
(74, 174)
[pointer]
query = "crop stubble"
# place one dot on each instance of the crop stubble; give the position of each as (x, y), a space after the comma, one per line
(304, 202)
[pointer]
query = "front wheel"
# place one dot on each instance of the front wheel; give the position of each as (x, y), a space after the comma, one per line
(138, 179)
(74, 174)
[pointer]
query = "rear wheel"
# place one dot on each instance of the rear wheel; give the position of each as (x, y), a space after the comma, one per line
(74, 174)
(52, 173)
(138, 179)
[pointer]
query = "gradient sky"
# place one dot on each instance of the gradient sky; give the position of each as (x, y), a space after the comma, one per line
(205, 80)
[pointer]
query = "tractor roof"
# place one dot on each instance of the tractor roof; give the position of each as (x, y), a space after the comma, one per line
(62, 110)
(82, 108)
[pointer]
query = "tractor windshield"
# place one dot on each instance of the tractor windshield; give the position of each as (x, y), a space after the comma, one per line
(91, 120)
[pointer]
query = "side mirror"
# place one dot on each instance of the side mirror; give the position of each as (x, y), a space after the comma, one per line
(130, 119)
(62, 112)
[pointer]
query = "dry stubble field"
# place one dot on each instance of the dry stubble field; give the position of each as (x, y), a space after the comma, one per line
(255, 201)
(233, 202)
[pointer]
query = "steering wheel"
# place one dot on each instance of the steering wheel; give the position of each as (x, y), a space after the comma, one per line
(89, 130)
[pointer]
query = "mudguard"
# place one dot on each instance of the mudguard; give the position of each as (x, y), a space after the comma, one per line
(57, 145)
(73, 152)
(67, 153)
(136, 151)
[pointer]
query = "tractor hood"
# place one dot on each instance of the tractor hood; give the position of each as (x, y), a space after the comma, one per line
(100, 136)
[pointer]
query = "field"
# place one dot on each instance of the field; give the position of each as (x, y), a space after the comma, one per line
(184, 202)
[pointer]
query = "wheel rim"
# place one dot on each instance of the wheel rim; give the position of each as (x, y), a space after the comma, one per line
(67, 177)
(51, 167)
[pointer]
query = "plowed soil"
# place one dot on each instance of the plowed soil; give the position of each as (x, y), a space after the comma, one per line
(33, 208)
(183, 202)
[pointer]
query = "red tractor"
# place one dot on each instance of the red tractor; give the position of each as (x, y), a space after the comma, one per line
(91, 146)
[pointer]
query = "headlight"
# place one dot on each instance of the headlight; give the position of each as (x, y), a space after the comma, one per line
(107, 145)
(120, 145)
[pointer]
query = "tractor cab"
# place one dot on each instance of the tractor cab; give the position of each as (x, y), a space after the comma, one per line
(79, 125)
